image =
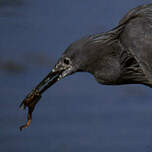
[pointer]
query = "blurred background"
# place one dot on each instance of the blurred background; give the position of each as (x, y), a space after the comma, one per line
(77, 114)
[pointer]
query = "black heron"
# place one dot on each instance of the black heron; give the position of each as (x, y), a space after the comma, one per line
(122, 55)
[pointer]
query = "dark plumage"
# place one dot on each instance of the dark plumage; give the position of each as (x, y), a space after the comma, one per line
(122, 55)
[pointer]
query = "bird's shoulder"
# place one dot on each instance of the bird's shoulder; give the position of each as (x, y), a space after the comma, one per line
(136, 37)
(142, 10)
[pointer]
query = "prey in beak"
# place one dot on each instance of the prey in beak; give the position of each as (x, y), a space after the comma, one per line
(60, 70)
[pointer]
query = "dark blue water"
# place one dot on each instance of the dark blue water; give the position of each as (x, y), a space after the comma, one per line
(76, 114)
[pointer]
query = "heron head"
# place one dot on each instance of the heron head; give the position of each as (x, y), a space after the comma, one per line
(71, 61)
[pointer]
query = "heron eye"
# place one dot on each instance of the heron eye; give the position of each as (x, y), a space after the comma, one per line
(67, 61)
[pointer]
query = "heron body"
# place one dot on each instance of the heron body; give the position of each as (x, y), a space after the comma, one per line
(122, 55)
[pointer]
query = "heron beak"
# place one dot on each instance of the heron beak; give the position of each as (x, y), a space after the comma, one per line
(57, 73)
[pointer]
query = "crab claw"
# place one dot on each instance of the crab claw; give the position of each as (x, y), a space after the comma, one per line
(30, 101)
